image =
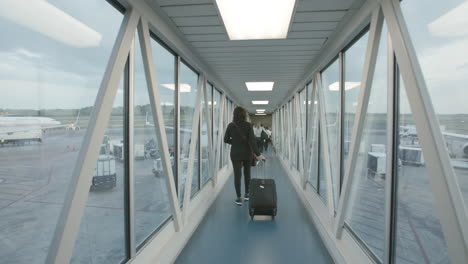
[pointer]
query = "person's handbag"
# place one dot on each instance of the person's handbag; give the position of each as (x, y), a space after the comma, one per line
(253, 158)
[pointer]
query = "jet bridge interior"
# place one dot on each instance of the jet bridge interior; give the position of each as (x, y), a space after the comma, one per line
(113, 115)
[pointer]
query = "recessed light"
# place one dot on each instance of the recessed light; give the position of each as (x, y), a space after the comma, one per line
(260, 102)
(260, 110)
(259, 86)
(256, 19)
(259, 114)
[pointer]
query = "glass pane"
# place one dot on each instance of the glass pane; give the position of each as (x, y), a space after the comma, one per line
(196, 172)
(216, 126)
(419, 237)
(314, 147)
(440, 39)
(354, 64)
(102, 232)
(152, 206)
(366, 214)
(331, 105)
(205, 164)
(49, 81)
(188, 97)
(322, 184)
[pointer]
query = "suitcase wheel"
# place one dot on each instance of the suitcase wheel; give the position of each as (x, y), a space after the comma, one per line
(251, 213)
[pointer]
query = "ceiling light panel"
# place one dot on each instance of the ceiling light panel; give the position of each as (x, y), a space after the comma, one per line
(256, 19)
(259, 86)
(260, 102)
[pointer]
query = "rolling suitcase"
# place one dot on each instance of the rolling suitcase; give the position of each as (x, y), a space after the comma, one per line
(262, 195)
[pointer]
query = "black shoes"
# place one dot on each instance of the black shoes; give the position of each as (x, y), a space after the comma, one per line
(246, 197)
(238, 201)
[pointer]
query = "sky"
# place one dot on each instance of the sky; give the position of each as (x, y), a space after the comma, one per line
(47, 67)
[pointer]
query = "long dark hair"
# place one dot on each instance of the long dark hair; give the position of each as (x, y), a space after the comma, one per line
(239, 115)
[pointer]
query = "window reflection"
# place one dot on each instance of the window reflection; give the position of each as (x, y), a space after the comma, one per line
(49, 80)
(366, 212)
(331, 106)
(188, 98)
(440, 38)
(419, 237)
(152, 207)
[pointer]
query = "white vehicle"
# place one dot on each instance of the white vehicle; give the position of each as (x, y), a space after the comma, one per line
(411, 155)
(376, 164)
(104, 173)
(457, 145)
(119, 153)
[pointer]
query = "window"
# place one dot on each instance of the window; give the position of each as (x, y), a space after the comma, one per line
(51, 80)
(152, 208)
(419, 237)
(331, 106)
(353, 67)
(440, 39)
(366, 213)
(205, 146)
(314, 141)
(102, 232)
(216, 126)
(188, 96)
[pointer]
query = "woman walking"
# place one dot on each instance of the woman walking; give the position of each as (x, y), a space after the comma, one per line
(240, 135)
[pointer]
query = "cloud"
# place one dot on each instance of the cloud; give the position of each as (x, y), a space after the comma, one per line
(451, 24)
(45, 18)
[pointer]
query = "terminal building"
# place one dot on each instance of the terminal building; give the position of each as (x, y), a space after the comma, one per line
(113, 116)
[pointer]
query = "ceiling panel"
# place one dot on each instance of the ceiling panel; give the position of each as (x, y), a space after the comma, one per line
(202, 30)
(197, 21)
(190, 10)
(331, 16)
(308, 26)
(282, 61)
(259, 43)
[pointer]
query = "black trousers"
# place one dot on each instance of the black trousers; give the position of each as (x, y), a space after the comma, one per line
(259, 144)
(237, 165)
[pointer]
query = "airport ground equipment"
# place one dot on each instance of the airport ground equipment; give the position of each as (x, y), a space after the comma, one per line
(376, 164)
(263, 200)
(20, 135)
(411, 155)
(104, 175)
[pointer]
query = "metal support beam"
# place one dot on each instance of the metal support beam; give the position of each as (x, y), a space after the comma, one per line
(131, 130)
(193, 148)
(364, 93)
(154, 96)
(69, 221)
(391, 152)
(445, 188)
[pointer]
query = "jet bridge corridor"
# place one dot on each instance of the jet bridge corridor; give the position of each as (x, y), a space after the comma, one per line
(113, 115)
(228, 235)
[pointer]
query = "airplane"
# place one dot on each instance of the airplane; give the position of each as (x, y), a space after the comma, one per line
(20, 129)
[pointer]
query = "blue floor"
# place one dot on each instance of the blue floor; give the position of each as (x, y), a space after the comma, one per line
(227, 235)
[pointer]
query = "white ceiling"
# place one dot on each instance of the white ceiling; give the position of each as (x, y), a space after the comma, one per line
(236, 62)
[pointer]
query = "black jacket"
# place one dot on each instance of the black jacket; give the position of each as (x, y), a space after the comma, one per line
(240, 150)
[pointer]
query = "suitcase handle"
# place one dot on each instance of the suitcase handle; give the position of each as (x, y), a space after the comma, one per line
(261, 163)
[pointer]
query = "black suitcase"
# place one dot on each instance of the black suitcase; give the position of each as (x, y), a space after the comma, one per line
(262, 196)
